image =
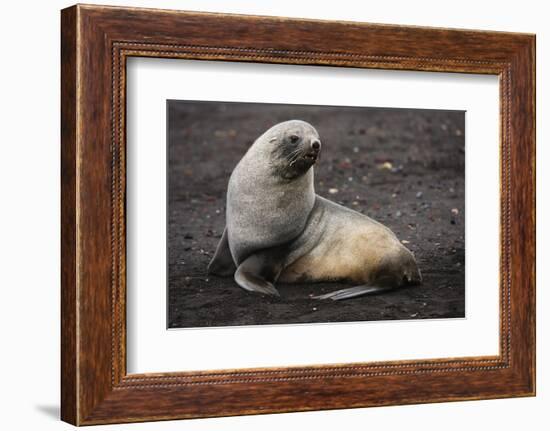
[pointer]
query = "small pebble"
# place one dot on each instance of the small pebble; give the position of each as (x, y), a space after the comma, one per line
(386, 165)
(398, 214)
(333, 191)
(419, 195)
(404, 241)
(454, 211)
(346, 164)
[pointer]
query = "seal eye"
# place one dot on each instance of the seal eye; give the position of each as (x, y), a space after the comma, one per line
(294, 138)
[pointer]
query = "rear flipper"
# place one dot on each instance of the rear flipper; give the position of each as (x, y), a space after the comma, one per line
(258, 272)
(353, 292)
(222, 262)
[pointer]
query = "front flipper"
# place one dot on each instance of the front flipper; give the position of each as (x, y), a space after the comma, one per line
(353, 292)
(258, 272)
(222, 262)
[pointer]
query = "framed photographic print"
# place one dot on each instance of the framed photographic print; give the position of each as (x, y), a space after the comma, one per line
(264, 214)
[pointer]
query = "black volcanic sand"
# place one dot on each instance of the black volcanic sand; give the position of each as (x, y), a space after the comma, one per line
(402, 167)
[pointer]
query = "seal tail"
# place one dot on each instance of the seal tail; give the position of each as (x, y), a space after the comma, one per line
(353, 292)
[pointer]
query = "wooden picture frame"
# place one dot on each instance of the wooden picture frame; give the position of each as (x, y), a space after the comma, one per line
(95, 43)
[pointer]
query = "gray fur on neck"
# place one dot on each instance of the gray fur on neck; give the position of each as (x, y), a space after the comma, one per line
(268, 204)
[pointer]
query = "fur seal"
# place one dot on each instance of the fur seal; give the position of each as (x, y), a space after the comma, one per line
(279, 229)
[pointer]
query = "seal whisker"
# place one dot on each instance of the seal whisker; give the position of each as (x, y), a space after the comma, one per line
(295, 152)
(295, 157)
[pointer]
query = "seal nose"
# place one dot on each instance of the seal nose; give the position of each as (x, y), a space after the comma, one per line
(316, 145)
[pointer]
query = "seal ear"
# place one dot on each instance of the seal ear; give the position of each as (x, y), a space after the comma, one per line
(222, 263)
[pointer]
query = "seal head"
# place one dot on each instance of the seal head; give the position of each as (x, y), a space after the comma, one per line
(295, 147)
